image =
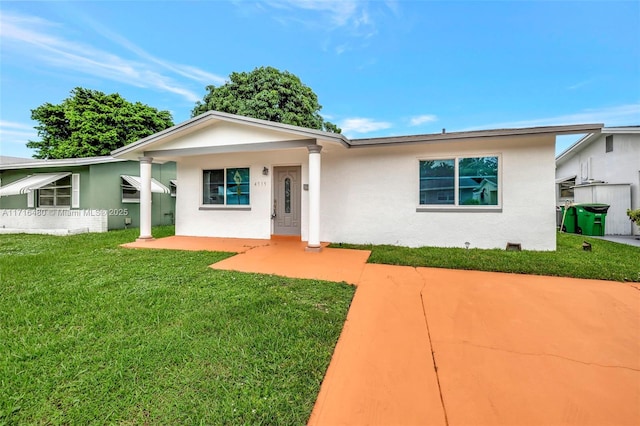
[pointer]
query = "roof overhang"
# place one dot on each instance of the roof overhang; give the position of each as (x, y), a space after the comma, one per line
(136, 182)
(30, 183)
(479, 134)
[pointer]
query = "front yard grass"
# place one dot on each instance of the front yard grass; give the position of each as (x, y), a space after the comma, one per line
(91, 333)
(606, 261)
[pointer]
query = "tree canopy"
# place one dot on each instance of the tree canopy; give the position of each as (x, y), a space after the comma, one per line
(268, 94)
(90, 123)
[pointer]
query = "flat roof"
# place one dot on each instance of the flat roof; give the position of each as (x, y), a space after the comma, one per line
(474, 134)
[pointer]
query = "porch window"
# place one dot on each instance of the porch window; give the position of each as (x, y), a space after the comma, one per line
(460, 181)
(228, 187)
(56, 194)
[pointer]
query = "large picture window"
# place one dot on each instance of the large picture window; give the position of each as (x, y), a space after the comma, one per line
(463, 181)
(226, 187)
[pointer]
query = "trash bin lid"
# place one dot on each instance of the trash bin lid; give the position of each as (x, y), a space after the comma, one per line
(594, 208)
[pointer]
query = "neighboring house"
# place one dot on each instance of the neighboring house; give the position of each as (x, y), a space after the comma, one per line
(248, 178)
(603, 168)
(80, 195)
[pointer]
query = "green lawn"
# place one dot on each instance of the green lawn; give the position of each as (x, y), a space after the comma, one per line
(606, 261)
(91, 333)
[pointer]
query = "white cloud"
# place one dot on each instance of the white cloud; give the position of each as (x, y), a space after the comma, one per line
(580, 84)
(362, 125)
(339, 12)
(352, 17)
(14, 125)
(611, 116)
(16, 133)
(38, 38)
(422, 119)
(190, 72)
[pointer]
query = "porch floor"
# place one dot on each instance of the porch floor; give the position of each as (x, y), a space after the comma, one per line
(434, 346)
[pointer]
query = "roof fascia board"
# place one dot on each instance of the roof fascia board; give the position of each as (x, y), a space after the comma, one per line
(621, 129)
(479, 134)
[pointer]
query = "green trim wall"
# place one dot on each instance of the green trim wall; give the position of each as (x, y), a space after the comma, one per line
(100, 188)
(20, 201)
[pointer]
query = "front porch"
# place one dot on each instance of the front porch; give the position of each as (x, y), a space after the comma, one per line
(279, 255)
(238, 177)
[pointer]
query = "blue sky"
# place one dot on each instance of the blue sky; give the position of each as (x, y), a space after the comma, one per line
(379, 68)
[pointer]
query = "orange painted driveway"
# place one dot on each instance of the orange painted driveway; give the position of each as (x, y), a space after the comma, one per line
(424, 346)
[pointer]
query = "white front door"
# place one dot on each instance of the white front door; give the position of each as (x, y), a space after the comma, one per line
(287, 196)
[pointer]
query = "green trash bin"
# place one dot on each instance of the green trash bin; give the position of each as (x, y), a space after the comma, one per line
(570, 222)
(591, 218)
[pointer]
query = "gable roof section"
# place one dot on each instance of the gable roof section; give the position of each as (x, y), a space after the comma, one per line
(209, 118)
(587, 139)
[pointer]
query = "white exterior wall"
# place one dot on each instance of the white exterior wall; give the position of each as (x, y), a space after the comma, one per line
(225, 134)
(71, 221)
(231, 222)
(370, 195)
(622, 165)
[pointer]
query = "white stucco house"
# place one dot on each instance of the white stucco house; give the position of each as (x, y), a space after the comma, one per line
(604, 168)
(247, 178)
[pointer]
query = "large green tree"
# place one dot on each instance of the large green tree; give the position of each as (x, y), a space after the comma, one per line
(90, 123)
(268, 94)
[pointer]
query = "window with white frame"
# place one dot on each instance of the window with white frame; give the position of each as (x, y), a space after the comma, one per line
(460, 181)
(227, 187)
(56, 194)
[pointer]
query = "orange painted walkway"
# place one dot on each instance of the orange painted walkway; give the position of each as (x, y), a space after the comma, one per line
(424, 346)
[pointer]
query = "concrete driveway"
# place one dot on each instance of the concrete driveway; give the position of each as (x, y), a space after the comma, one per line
(424, 346)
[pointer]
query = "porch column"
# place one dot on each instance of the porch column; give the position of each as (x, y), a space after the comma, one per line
(145, 199)
(314, 198)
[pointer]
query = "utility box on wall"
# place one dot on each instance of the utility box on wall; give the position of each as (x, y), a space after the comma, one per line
(617, 196)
